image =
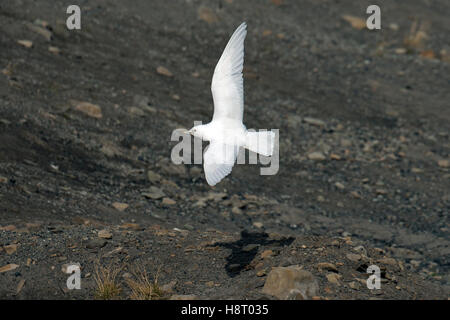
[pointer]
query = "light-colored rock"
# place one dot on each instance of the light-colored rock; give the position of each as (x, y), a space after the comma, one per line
(258, 225)
(10, 249)
(136, 111)
(104, 234)
(25, 43)
(314, 121)
(90, 109)
(288, 283)
(339, 185)
(353, 257)
(316, 156)
(120, 206)
(168, 202)
(266, 254)
(333, 278)
(154, 193)
(153, 177)
(20, 286)
(326, 266)
(355, 22)
(8, 267)
(54, 50)
(164, 71)
(444, 163)
(236, 210)
(389, 261)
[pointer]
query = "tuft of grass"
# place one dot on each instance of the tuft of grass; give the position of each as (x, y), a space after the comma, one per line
(143, 288)
(107, 286)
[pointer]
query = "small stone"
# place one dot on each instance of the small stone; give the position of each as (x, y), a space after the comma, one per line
(333, 278)
(10, 249)
(20, 286)
(266, 254)
(314, 122)
(90, 109)
(316, 156)
(104, 234)
(120, 206)
(96, 243)
(389, 261)
(355, 194)
(154, 193)
(326, 266)
(8, 267)
(353, 257)
(164, 71)
(168, 202)
(3, 179)
(136, 111)
(236, 210)
(153, 177)
(354, 285)
(290, 283)
(355, 22)
(258, 225)
(25, 43)
(339, 185)
(393, 26)
(335, 156)
(444, 163)
(54, 50)
(320, 198)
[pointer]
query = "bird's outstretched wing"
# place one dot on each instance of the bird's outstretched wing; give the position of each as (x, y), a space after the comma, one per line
(218, 162)
(227, 83)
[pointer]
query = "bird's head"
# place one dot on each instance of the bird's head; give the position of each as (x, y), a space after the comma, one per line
(198, 131)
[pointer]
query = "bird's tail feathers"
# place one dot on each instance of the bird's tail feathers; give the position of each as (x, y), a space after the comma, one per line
(261, 142)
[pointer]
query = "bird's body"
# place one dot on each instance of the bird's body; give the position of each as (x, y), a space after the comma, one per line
(226, 132)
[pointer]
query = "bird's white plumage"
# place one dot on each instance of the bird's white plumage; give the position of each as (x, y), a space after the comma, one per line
(227, 88)
(226, 132)
(227, 84)
(219, 159)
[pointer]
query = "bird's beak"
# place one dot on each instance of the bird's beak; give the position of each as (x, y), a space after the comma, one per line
(186, 132)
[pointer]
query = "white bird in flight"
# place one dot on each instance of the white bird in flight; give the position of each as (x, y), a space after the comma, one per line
(226, 132)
